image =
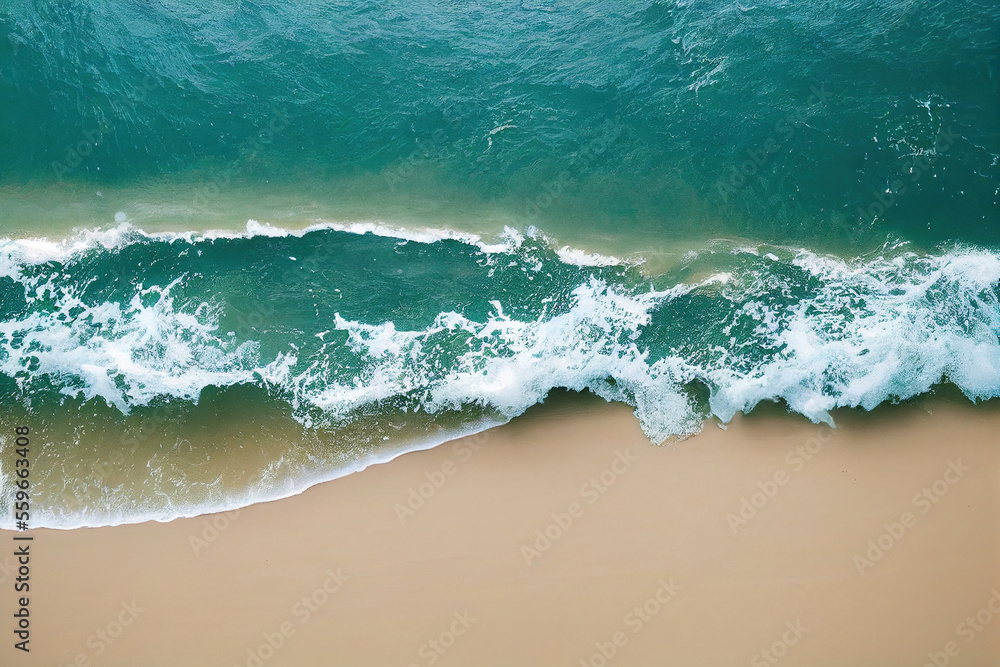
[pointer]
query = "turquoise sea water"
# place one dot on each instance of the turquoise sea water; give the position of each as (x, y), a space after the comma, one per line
(255, 245)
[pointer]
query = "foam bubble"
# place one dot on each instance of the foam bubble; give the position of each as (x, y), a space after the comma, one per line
(40, 250)
(518, 362)
(815, 331)
(874, 331)
(126, 354)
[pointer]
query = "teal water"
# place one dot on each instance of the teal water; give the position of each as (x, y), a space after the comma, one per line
(642, 113)
(690, 207)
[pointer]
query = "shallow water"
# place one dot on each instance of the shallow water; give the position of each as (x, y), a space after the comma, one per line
(315, 235)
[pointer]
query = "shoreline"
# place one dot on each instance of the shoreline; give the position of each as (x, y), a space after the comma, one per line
(563, 537)
(166, 208)
(559, 400)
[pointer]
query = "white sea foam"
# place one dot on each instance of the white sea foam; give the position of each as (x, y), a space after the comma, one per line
(876, 331)
(33, 251)
(127, 354)
(856, 333)
(115, 508)
(873, 331)
(579, 257)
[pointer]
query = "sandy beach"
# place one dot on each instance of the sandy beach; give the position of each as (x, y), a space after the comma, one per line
(500, 334)
(565, 538)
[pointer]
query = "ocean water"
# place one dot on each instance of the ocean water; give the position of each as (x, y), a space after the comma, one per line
(245, 247)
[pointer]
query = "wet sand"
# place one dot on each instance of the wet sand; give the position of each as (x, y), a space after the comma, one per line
(565, 538)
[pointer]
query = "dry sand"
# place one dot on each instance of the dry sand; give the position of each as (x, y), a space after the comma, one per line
(451, 582)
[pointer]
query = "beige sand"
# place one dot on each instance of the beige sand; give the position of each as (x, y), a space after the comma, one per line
(656, 567)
